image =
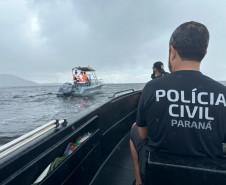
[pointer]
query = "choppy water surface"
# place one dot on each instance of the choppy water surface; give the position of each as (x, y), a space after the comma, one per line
(23, 109)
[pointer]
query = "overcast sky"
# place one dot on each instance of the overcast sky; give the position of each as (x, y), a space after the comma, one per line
(42, 40)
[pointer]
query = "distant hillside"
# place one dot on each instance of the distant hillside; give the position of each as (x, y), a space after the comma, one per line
(11, 80)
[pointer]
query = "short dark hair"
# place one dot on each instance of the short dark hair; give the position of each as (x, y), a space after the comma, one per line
(190, 40)
(159, 66)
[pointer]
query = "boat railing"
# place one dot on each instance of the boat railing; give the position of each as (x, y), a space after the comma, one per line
(121, 93)
(96, 81)
(30, 136)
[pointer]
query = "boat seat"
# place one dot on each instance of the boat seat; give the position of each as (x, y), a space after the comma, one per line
(165, 169)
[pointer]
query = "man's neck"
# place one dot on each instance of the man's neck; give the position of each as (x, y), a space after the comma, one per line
(187, 65)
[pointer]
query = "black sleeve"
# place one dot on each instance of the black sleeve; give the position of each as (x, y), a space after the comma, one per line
(140, 120)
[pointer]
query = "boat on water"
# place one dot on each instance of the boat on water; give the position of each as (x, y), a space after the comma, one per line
(102, 154)
(88, 88)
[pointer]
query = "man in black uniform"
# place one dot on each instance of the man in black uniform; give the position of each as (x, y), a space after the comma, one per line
(184, 112)
(158, 70)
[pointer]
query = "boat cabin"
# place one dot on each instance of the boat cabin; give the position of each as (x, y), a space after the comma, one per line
(81, 86)
(91, 76)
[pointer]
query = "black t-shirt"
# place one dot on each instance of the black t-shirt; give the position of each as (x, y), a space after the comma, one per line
(185, 114)
(153, 76)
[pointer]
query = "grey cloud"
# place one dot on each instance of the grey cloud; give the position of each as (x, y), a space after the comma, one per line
(108, 35)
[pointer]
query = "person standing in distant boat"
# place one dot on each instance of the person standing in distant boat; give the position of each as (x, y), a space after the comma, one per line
(80, 77)
(184, 112)
(75, 78)
(158, 70)
(84, 76)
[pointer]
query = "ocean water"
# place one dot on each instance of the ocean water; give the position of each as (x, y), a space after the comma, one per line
(23, 109)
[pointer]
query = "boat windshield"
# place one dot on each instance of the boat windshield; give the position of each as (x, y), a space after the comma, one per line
(89, 76)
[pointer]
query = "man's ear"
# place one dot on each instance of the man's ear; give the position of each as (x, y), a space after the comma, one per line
(173, 53)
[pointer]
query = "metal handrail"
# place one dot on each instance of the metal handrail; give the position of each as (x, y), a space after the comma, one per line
(23, 137)
(30, 136)
(132, 90)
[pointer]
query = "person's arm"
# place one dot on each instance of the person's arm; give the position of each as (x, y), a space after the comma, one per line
(143, 132)
(140, 120)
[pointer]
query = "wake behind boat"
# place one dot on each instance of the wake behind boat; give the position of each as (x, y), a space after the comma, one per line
(82, 86)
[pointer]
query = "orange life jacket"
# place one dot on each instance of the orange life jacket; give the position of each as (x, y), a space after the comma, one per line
(84, 77)
(73, 76)
(80, 77)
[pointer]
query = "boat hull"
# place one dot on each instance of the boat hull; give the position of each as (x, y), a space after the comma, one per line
(108, 125)
(81, 90)
(87, 90)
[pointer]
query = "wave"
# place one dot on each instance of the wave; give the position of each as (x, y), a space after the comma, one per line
(26, 108)
(37, 95)
(17, 96)
(7, 121)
